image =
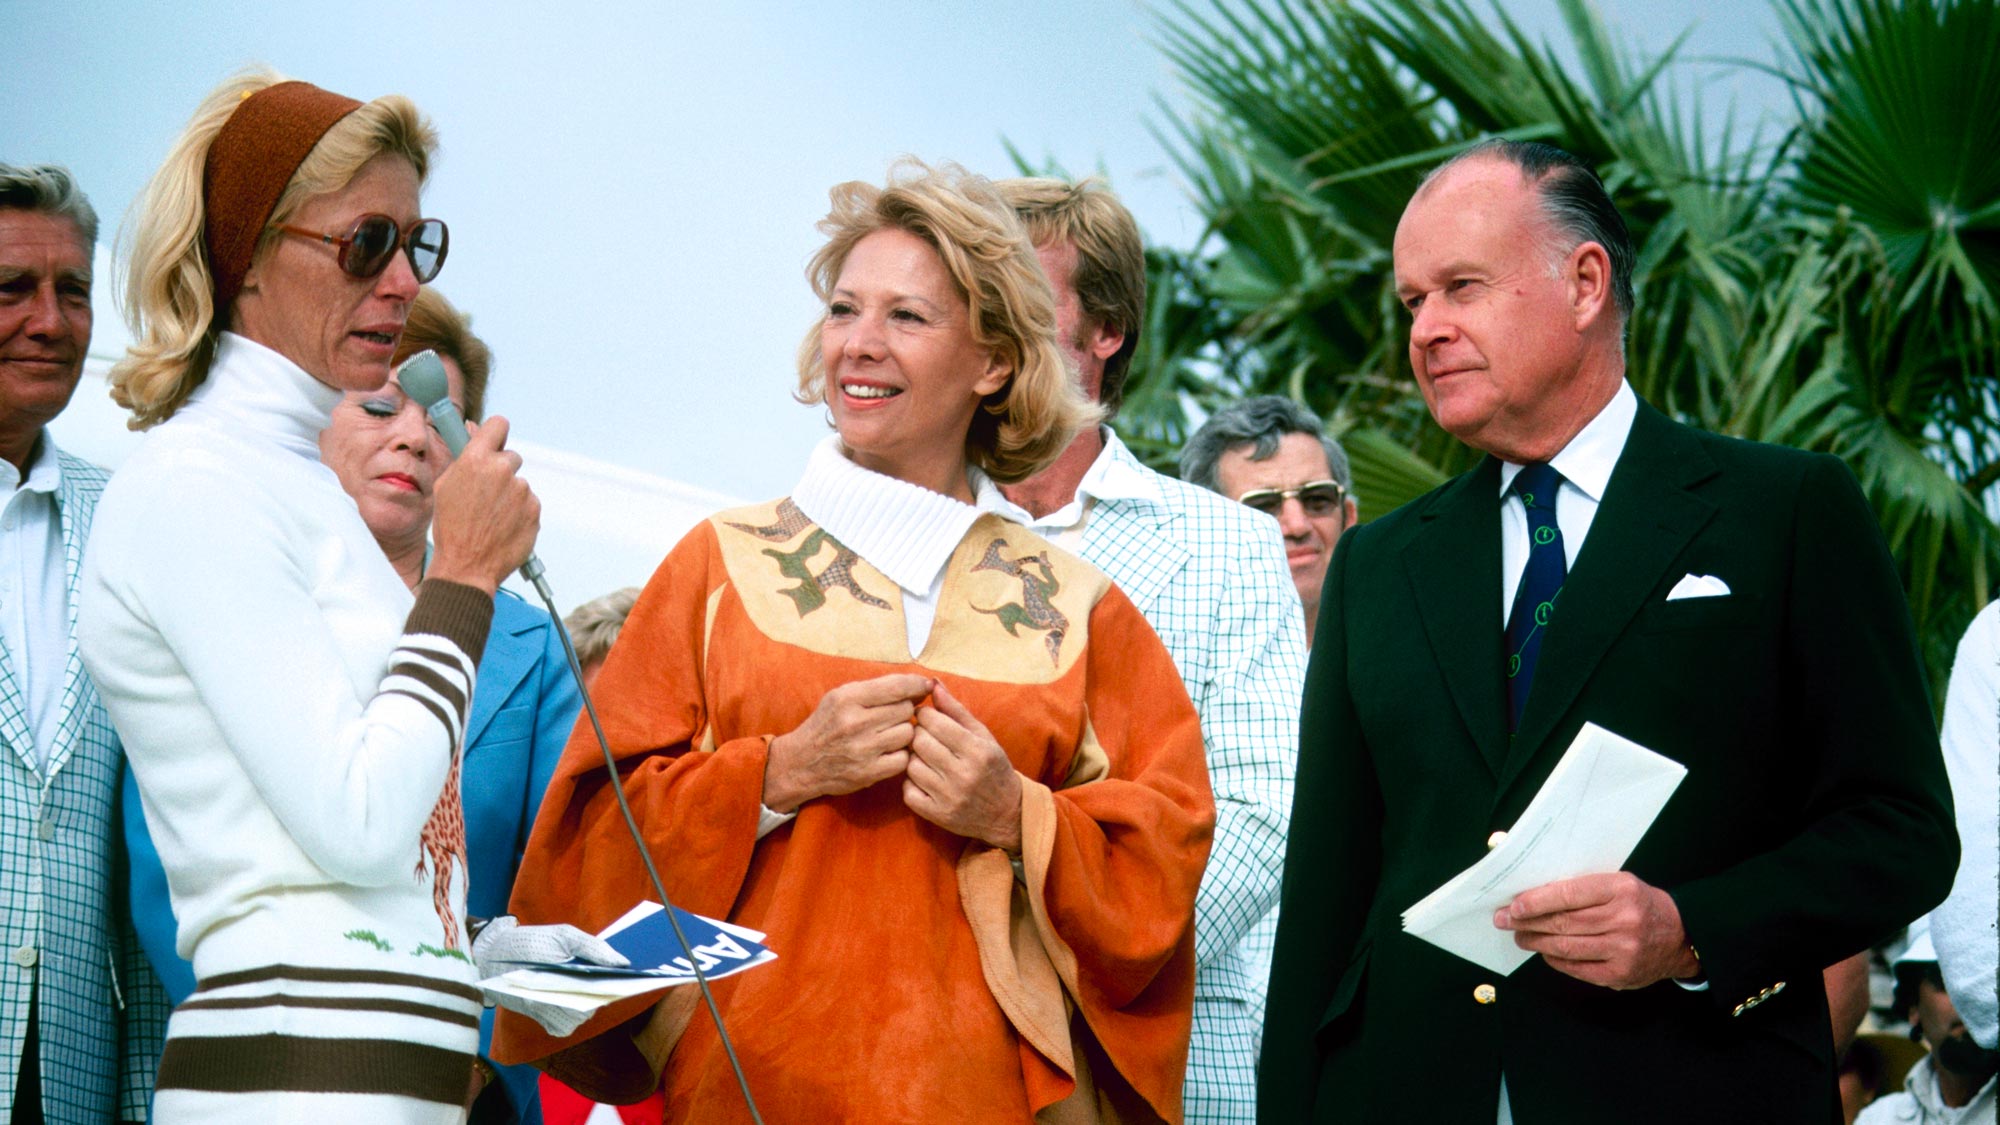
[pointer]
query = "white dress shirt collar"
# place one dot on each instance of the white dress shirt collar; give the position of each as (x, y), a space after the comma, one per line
(1115, 475)
(44, 469)
(34, 592)
(1586, 462)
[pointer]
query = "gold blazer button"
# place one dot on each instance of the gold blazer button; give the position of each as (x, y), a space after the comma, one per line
(1485, 994)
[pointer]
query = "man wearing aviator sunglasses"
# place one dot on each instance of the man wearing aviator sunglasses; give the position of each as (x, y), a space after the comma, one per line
(366, 248)
(1271, 454)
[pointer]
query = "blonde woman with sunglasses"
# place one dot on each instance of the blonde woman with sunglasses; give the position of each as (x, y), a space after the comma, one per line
(293, 712)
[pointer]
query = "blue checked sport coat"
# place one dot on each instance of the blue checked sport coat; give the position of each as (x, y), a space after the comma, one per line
(101, 1012)
(1210, 576)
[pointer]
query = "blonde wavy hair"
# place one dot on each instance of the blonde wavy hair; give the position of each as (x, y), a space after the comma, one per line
(1023, 427)
(169, 291)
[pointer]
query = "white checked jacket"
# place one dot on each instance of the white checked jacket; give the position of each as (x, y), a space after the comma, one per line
(1210, 575)
(102, 1014)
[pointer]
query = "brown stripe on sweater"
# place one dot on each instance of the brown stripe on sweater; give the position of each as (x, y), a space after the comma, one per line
(443, 717)
(242, 1064)
(429, 677)
(459, 613)
(338, 976)
(333, 1003)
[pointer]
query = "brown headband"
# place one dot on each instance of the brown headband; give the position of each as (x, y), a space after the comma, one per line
(250, 164)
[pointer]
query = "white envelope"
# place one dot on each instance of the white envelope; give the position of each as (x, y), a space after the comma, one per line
(1698, 586)
(1589, 815)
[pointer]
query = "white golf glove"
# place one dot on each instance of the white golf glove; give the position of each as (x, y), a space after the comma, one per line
(504, 940)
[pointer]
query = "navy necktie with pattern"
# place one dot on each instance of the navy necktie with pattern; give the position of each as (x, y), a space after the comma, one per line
(1541, 581)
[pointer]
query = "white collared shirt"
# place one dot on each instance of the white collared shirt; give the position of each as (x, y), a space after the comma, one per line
(1108, 478)
(34, 591)
(1585, 464)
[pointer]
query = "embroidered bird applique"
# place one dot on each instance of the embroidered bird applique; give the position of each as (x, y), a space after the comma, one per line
(1036, 609)
(791, 521)
(810, 593)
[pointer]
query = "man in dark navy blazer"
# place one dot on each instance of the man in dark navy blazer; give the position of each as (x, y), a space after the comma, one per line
(1727, 604)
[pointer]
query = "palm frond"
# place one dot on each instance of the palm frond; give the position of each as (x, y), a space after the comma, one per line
(1833, 284)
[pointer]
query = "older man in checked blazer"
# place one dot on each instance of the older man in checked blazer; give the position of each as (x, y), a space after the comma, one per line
(1210, 576)
(81, 1015)
(1729, 605)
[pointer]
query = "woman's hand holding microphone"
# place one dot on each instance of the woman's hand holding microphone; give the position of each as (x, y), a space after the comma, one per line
(487, 517)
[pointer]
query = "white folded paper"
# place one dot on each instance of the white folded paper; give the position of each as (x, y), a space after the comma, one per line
(1591, 812)
(562, 996)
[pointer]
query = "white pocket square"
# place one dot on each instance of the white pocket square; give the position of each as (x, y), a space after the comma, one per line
(1698, 586)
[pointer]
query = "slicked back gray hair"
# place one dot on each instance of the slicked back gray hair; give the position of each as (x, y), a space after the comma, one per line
(1574, 203)
(50, 190)
(1260, 423)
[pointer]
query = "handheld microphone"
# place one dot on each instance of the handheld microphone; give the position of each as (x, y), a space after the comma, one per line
(425, 380)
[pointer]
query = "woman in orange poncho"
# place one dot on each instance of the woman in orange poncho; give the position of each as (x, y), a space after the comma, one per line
(946, 766)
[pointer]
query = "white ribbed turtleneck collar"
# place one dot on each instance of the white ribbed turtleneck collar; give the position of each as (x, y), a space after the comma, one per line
(904, 530)
(254, 389)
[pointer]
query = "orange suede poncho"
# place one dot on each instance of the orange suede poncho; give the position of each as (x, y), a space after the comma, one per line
(918, 979)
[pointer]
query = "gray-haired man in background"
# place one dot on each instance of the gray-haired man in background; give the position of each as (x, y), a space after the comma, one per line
(81, 1014)
(1272, 454)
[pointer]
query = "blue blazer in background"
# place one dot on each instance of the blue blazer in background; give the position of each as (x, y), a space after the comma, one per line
(523, 706)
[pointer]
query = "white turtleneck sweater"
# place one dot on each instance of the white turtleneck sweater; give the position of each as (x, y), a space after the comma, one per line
(241, 624)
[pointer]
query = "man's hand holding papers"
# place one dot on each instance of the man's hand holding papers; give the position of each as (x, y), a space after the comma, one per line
(1613, 930)
(1554, 875)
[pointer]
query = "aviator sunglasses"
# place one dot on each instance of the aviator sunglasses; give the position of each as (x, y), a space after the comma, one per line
(1318, 498)
(368, 245)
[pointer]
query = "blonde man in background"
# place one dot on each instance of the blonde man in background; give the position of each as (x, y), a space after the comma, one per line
(1210, 576)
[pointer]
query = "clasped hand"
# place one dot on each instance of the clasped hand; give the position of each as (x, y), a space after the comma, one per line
(1612, 930)
(954, 772)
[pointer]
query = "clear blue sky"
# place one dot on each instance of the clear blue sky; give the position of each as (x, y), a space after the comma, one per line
(632, 187)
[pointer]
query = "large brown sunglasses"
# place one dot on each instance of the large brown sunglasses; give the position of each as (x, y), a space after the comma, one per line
(368, 245)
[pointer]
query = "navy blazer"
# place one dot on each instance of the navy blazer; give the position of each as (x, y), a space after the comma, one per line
(523, 706)
(1814, 819)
